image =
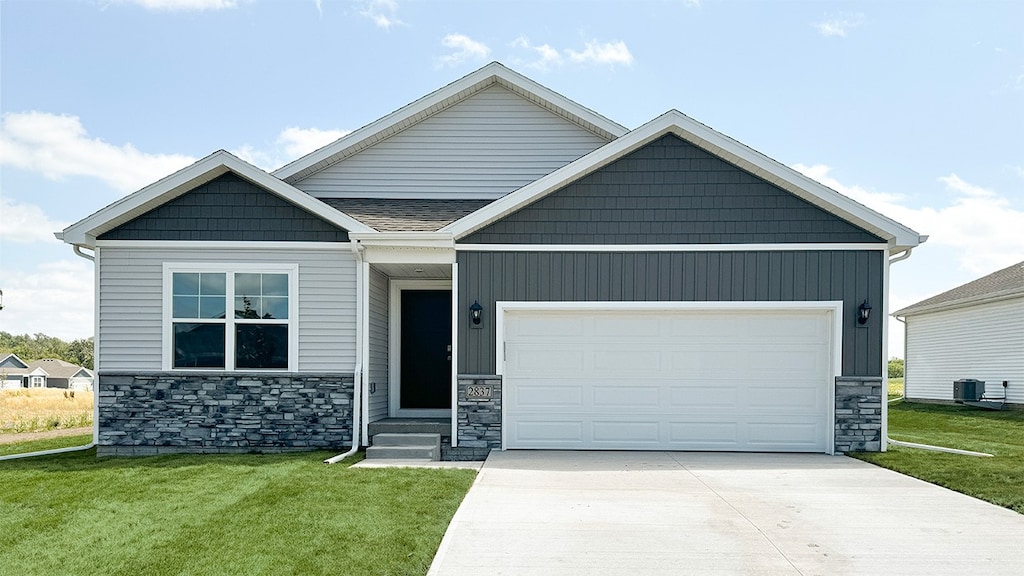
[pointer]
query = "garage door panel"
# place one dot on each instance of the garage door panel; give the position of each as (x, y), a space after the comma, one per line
(680, 380)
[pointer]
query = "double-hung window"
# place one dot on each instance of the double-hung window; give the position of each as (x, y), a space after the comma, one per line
(230, 317)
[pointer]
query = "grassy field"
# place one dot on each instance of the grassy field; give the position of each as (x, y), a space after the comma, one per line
(895, 388)
(38, 409)
(999, 480)
(214, 514)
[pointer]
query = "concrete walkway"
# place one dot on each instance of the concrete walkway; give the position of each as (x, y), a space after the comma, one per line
(644, 513)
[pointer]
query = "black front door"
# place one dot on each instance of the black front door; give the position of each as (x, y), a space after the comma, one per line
(426, 381)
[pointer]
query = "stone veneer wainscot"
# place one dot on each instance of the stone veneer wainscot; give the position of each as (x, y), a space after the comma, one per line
(478, 419)
(202, 412)
(858, 414)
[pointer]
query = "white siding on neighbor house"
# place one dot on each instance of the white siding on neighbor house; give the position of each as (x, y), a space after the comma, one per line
(378, 335)
(985, 342)
(131, 300)
(483, 147)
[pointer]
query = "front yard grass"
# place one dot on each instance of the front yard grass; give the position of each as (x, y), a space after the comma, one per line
(216, 514)
(999, 480)
(26, 446)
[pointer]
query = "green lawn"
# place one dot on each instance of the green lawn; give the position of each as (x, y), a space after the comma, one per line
(48, 444)
(214, 514)
(999, 480)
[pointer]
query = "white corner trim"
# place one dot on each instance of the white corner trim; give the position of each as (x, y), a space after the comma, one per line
(665, 247)
(455, 355)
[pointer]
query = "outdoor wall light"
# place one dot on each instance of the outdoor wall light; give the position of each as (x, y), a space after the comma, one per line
(476, 315)
(863, 313)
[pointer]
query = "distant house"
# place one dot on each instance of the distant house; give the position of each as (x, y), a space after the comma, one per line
(972, 331)
(45, 373)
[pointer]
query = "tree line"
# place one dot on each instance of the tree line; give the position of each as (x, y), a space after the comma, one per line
(40, 346)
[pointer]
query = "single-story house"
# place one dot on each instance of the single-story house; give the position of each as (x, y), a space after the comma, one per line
(502, 260)
(974, 331)
(46, 373)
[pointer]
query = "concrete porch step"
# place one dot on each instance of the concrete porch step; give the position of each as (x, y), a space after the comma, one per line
(393, 446)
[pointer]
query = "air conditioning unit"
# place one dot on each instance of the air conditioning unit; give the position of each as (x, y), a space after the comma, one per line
(968, 390)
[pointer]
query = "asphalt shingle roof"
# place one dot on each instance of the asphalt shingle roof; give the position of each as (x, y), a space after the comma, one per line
(402, 215)
(1005, 282)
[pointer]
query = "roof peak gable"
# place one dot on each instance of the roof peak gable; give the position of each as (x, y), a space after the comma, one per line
(439, 100)
(676, 123)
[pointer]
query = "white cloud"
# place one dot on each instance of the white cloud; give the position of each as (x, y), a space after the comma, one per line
(463, 48)
(58, 146)
(384, 13)
(182, 5)
(979, 228)
(547, 57)
(55, 298)
(26, 223)
(839, 25)
(608, 53)
(594, 52)
(291, 143)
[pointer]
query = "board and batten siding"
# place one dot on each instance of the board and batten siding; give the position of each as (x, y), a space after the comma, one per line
(849, 276)
(131, 300)
(483, 147)
(985, 342)
(378, 335)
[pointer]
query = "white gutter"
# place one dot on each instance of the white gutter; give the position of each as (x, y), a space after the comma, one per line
(78, 250)
(48, 452)
(357, 395)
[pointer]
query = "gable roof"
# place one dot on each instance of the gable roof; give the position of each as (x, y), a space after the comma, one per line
(85, 231)
(435, 102)
(899, 237)
(12, 361)
(1005, 283)
(402, 215)
(56, 368)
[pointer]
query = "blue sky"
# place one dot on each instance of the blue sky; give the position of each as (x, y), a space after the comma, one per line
(913, 108)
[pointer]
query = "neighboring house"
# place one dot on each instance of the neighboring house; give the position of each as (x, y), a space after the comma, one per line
(972, 331)
(45, 373)
(499, 255)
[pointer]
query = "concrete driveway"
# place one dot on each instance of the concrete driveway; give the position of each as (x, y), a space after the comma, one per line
(640, 513)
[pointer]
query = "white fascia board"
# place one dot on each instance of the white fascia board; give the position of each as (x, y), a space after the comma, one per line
(225, 245)
(405, 239)
(217, 164)
(434, 103)
(898, 237)
(962, 303)
(664, 247)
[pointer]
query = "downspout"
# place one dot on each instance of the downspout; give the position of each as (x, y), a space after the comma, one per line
(357, 395)
(95, 393)
(904, 256)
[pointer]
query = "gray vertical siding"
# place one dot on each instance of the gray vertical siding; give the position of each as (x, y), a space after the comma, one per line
(378, 335)
(849, 276)
(228, 208)
(670, 192)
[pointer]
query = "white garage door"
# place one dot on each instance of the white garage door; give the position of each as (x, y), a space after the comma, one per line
(686, 379)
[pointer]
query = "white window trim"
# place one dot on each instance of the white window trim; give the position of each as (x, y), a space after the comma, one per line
(230, 269)
(37, 381)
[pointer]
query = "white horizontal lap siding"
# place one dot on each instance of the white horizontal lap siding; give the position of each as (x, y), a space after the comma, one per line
(985, 342)
(484, 147)
(131, 297)
(378, 334)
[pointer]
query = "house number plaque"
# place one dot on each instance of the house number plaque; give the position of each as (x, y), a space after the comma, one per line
(478, 392)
